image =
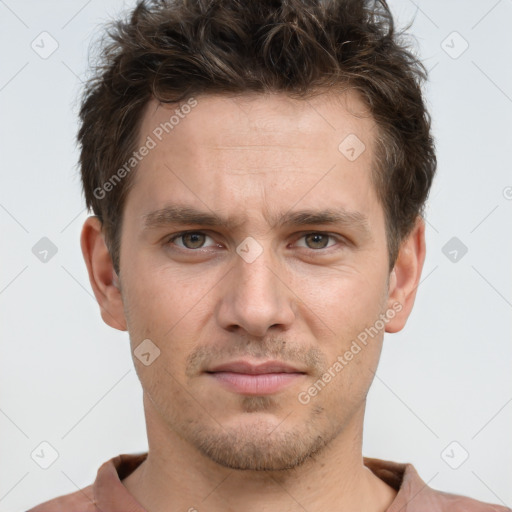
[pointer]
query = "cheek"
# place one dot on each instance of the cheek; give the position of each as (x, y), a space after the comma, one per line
(171, 311)
(343, 301)
(349, 387)
(351, 344)
(162, 297)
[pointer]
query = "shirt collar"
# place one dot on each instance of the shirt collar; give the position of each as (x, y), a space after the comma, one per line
(110, 495)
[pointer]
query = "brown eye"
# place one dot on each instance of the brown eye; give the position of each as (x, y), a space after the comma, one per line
(191, 240)
(317, 240)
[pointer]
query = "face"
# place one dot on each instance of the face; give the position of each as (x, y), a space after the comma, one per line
(254, 259)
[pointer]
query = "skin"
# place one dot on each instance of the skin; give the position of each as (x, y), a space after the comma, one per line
(303, 301)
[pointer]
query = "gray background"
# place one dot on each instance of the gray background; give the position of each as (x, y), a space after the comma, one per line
(444, 386)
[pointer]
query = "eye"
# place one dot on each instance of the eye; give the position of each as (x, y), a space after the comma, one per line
(317, 241)
(193, 240)
(190, 239)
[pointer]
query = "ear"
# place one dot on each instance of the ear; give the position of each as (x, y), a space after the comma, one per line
(102, 276)
(405, 276)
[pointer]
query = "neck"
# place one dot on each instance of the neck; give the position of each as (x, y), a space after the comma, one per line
(176, 477)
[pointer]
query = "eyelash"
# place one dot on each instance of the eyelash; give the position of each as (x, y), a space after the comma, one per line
(174, 237)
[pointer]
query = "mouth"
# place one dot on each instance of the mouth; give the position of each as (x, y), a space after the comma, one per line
(247, 378)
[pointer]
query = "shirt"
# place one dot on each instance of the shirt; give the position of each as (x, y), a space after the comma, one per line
(108, 494)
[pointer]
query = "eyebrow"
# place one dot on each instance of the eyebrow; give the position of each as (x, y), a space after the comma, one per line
(181, 215)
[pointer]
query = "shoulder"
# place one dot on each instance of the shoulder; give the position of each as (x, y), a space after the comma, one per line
(457, 503)
(79, 501)
(414, 495)
(106, 489)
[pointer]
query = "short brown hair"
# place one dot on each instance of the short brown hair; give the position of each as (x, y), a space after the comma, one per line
(172, 49)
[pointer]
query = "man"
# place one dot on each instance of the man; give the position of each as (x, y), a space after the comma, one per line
(258, 173)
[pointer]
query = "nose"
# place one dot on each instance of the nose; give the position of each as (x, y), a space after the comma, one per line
(255, 297)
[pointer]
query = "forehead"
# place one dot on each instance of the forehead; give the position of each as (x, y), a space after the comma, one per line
(251, 120)
(255, 151)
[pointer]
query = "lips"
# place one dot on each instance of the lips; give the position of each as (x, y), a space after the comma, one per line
(255, 379)
(255, 369)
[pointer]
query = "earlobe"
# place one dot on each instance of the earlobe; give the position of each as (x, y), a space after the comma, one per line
(102, 276)
(405, 276)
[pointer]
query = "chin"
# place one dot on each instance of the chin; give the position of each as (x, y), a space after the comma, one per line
(262, 444)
